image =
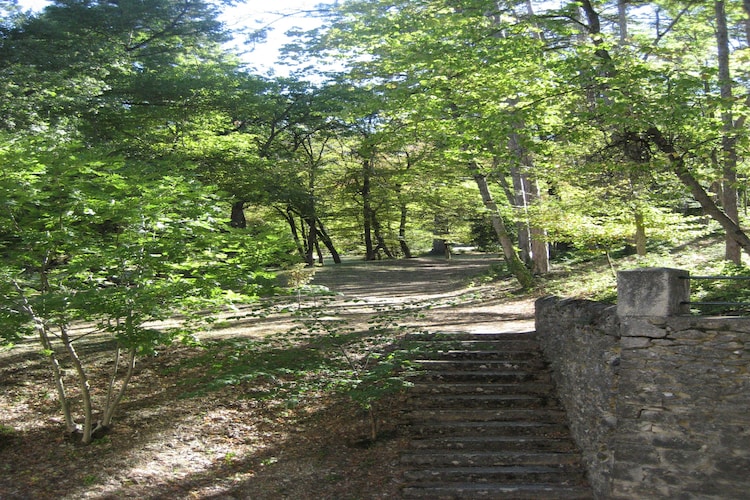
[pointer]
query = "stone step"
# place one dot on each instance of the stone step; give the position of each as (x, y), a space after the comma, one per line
(527, 344)
(495, 443)
(484, 415)
(486, 422)
(520, 428)
(478, 364)
(470, 458)
(473, 388)
(507, 474)
(465, 336)
(500, 354)
(483, 401)
(493, 491)
(484, 376)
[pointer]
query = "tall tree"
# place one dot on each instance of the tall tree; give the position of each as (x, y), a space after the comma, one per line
(728, 151)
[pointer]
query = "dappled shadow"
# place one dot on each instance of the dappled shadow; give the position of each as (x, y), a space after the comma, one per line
(309, 462)
(39, 460)
(219, 424)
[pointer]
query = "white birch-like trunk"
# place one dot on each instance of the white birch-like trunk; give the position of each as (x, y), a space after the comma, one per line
(83, 383)
(515, 265)
(44, 338)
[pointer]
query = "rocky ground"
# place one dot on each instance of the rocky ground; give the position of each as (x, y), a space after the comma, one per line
(194, 425)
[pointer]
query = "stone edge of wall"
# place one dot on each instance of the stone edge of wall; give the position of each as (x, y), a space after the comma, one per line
(580, 340)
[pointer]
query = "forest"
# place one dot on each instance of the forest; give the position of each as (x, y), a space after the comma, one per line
(149, 173)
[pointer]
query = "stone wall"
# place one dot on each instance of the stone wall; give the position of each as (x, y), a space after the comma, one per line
(581, 340)
(660, 405)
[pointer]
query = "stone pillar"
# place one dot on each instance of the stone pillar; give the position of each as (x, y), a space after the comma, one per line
(653, 292)
(646, 298)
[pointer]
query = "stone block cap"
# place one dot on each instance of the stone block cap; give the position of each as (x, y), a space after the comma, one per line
(653, 291)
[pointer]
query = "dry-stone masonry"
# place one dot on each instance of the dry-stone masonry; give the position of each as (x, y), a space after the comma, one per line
(659, 402)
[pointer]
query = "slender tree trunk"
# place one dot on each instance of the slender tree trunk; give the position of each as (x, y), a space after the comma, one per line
(402, 233)
(377, 229)
(44, 339)
(532, 240)
(640, 232)
(515, 266)
(622, 20)
(539, 251)
(109, 410)
(326, 239)
(289, 217)
(238, 215)
(729, 151)
(701, 196)
(83, 384)
(57, 372)
(367, 212)
(522, 226)
(403, 212)
(311, 241)
(318, 251)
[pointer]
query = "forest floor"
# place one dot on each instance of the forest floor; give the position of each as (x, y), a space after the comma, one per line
(247, 415)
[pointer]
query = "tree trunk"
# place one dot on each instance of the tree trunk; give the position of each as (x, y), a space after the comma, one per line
(377, 229)
(289, 217)
(318, 251)
(113, 400)
(532, 240)
(326, 239)
(402, 233)
(519, 202)
(728, 157)
(62, 395)
(515, 266)
(83, 384)
(238, 215)
(640, 233)
(367, 213)
(732, 229)
(311, 241)
(622, 20)
(44, 338)
(539, 251)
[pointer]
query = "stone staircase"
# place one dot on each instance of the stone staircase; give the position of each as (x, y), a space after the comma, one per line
(487, 423)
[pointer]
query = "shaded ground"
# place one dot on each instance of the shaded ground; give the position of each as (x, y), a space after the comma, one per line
(240, 419)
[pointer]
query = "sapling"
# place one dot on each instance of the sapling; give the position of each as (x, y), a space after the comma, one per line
(375, 366)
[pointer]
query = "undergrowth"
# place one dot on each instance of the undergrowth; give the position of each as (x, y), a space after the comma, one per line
(322, 354)
(592, 275)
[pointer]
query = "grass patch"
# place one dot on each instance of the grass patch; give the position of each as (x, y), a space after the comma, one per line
(585, 275)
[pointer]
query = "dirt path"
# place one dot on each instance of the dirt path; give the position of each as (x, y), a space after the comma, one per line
(170, 441)
(455, 291)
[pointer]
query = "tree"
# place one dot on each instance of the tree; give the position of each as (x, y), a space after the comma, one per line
(106, 245)
(728, 151)
(104, 223)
